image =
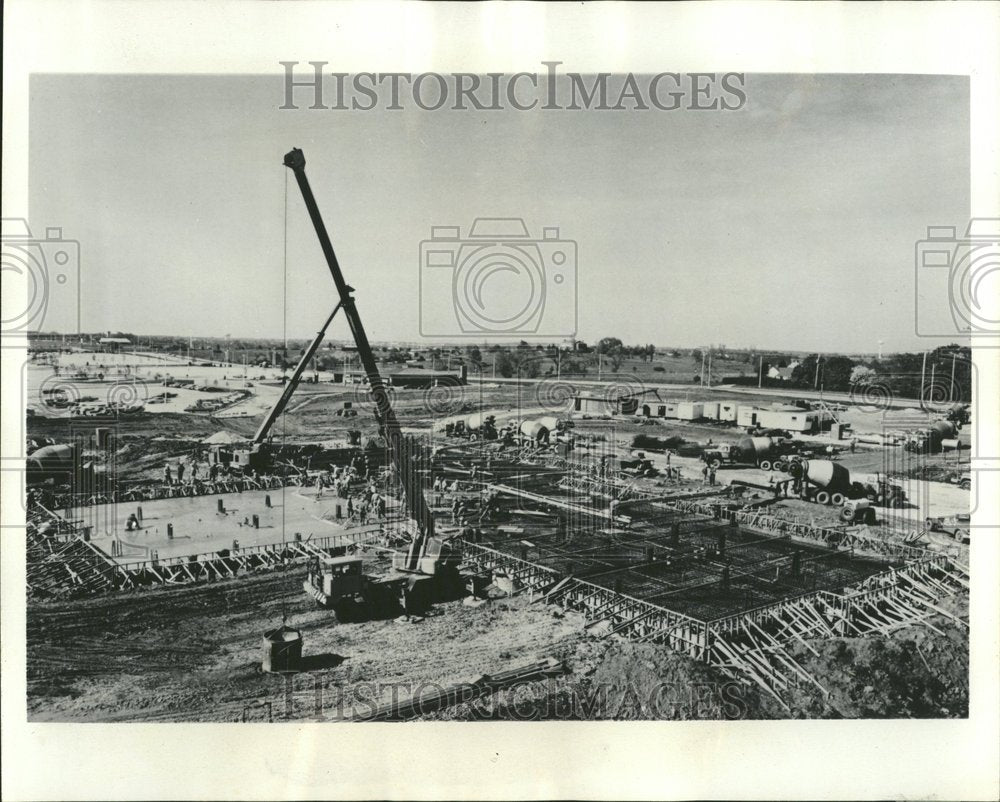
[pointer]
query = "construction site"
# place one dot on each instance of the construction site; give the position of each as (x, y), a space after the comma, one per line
(439, 546)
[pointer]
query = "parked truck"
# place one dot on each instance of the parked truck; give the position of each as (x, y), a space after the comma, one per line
(763, 452)
(932, 439)
(826, 482)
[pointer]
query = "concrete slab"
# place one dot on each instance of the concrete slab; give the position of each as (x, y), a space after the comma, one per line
(198, 527)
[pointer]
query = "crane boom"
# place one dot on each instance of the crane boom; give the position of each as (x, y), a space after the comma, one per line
(388, 424)
(279, 406)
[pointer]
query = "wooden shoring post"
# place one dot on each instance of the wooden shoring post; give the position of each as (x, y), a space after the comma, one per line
(632, 621)
(790, 661)
(791, 630)
(741, 666)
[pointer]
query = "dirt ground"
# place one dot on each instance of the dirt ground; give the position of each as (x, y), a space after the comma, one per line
(194, 654)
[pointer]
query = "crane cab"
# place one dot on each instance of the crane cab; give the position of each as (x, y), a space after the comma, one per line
(331, 579)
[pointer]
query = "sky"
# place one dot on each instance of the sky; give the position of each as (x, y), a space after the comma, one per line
(788, 224)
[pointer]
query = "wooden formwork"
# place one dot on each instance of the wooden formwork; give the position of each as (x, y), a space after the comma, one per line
(78, 567)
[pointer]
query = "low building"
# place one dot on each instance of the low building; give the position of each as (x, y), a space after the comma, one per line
(690, 410)
(728, 411)
(417, 378)
(792, 418)
(113, 345)
(600, 405)
(746, 416)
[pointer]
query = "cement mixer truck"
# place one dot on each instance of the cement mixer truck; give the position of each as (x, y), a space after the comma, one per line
(477, 427)
(932, 439)
(825, 482)
(762, 452)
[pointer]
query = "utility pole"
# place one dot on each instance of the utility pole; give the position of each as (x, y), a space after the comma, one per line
(600, 364)
(494, 364)
(702, 368)
(951, 387)
(710, 365)
(559, 362)
(760, 377)
(923, 373)
(816, 380)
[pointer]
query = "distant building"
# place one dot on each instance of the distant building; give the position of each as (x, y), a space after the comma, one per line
(409, 378)
(627, 404)
(782, 374)
(422, 379)
(113, 345)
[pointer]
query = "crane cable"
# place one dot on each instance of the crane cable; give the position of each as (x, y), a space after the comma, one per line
(284, 335)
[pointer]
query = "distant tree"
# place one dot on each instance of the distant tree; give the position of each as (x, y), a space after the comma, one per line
(505, 364)
(862, 375)
(835, 373)
(608, 344)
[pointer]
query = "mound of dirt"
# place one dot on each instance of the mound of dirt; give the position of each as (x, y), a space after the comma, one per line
(621, 680)
(915, 673)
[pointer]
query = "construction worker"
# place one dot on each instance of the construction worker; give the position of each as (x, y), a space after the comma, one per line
(854, 444)
(704, 473)
(180, 472)
(350, 507)
(167, 475)
(194, 471)
(132, 523)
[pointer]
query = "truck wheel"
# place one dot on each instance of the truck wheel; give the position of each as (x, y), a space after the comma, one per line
(782, 466)
(837, 499)
(716, 464)
(846, 514)
(822, 497)
(765, 464)
(795, 469)
(965, 484)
